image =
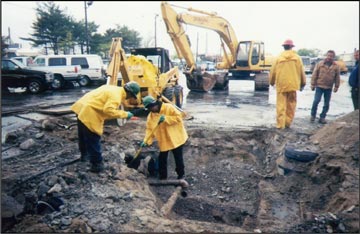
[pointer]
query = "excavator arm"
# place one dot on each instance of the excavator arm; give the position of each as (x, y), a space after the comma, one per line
(117, 63)
(219, 25)
(197, 80)
(241, 59)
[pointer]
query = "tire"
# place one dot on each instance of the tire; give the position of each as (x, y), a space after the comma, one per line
(84, 81)
(300, 155)
(169, 93)
(35, 87)
(58, 82)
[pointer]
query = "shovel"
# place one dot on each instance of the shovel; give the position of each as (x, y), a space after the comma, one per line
(139, 150)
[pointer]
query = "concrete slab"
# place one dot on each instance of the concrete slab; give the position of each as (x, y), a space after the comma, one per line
(12, 124)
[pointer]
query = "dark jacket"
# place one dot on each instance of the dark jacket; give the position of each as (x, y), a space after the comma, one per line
(354, 77)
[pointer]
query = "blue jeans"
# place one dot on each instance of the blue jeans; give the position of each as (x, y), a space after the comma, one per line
(327, 96)
(89, 143)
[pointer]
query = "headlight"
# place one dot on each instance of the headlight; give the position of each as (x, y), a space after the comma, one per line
(49, 77)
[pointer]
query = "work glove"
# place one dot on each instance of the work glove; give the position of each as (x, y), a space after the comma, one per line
(129, 115)
(143, 144)
(162, 118)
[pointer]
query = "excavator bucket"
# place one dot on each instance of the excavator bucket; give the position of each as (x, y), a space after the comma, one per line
(201, 82)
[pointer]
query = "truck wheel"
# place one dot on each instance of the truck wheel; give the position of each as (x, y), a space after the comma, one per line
(84, 81)
(58, 82)
(34, 87)
(169, 93)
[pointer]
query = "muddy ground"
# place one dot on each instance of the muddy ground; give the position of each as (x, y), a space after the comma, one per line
(239, 180)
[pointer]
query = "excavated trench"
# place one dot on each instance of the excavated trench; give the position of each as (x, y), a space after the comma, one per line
(233, 174)
(229, 173)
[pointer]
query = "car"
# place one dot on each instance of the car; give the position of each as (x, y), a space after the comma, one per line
(14, 74)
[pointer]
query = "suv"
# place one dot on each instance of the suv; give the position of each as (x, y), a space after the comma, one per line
(14, 75)
(92, 67)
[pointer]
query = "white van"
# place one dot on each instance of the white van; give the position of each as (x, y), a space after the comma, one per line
(24, 60)
(92, 67)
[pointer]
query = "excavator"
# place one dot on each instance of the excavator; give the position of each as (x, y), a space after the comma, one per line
(157, 77)
(241, 61)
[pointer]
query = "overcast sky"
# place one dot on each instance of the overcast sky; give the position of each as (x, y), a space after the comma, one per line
(320, 25)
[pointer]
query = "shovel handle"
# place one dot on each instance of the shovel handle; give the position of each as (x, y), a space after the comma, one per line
(139, 150)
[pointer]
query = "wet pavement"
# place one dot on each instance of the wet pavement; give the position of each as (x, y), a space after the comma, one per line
(240, 106)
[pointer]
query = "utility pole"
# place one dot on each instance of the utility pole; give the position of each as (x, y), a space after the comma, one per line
(86, 5)
(155, 29)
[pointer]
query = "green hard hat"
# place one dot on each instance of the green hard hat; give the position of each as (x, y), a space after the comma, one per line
(149, 101)
(132, 87)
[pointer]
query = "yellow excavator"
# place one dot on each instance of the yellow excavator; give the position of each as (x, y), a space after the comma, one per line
(151, 68)
(242, 60)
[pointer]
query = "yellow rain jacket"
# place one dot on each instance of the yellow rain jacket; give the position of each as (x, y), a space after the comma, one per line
(98, 105)
(287, 73)
(171, 133)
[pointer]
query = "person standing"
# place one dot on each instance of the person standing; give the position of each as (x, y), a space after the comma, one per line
(170, 134)
(288, 76)
(325, 76)
(92, 110)
(354, 82)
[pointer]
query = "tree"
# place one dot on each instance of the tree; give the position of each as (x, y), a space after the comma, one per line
(309, 52)
(4, 45)
(54, 29)
(51, 27)
(78, 29)
(131, 38)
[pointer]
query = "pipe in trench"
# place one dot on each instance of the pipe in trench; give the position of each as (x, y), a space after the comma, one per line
(167, 207)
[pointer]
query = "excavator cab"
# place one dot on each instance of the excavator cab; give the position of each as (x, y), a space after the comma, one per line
(250, 58)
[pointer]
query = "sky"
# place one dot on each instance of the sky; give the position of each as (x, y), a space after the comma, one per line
(320, 25)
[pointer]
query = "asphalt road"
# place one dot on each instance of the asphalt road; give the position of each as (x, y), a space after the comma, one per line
(240, 106)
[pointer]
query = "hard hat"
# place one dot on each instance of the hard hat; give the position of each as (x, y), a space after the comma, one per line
(132, 87)
(288, 42)
(149, 101)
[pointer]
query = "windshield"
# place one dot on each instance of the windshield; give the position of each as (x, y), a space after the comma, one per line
(243, 51)
(18, 63)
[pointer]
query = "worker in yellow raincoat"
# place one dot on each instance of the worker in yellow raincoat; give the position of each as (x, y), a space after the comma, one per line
(170, 134)
(92, 110)
(288, 76)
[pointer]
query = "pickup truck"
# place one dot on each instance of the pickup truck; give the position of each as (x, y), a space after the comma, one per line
(62, 73)
(14, 74)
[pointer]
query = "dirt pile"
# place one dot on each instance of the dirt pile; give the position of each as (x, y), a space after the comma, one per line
(235, 185)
